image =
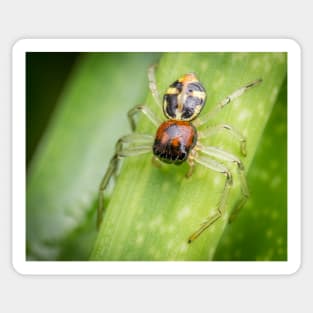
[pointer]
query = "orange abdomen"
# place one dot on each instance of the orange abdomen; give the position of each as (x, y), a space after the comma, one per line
(174, 141)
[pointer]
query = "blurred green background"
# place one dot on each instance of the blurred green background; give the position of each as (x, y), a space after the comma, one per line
(76, 110)
(46, 76)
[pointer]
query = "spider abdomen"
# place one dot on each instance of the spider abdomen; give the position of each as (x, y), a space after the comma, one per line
(184, 99)
(174, 140)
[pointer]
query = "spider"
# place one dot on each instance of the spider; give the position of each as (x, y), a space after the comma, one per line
(177, 139)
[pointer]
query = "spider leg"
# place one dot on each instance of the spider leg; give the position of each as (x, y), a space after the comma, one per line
(237, 93)
(223, 155)
(217, 167)
(231, 130)
(153, 86)
(156, 162)
(146, 111)
(129, 145)
(191, 162)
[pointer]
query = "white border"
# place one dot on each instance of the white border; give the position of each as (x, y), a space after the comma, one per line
(148, 45)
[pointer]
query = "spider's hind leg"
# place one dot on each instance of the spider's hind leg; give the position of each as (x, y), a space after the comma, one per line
(236, 94)
(153, 85)
(153, 118)
(230, 130)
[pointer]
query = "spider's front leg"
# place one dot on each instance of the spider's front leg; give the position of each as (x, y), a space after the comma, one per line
(207, 161)
(217, 167)
(225, 156)
(129, 145)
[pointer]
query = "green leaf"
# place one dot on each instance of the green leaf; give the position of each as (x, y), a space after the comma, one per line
(153, 211)
(64, 175)
(260, 233)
